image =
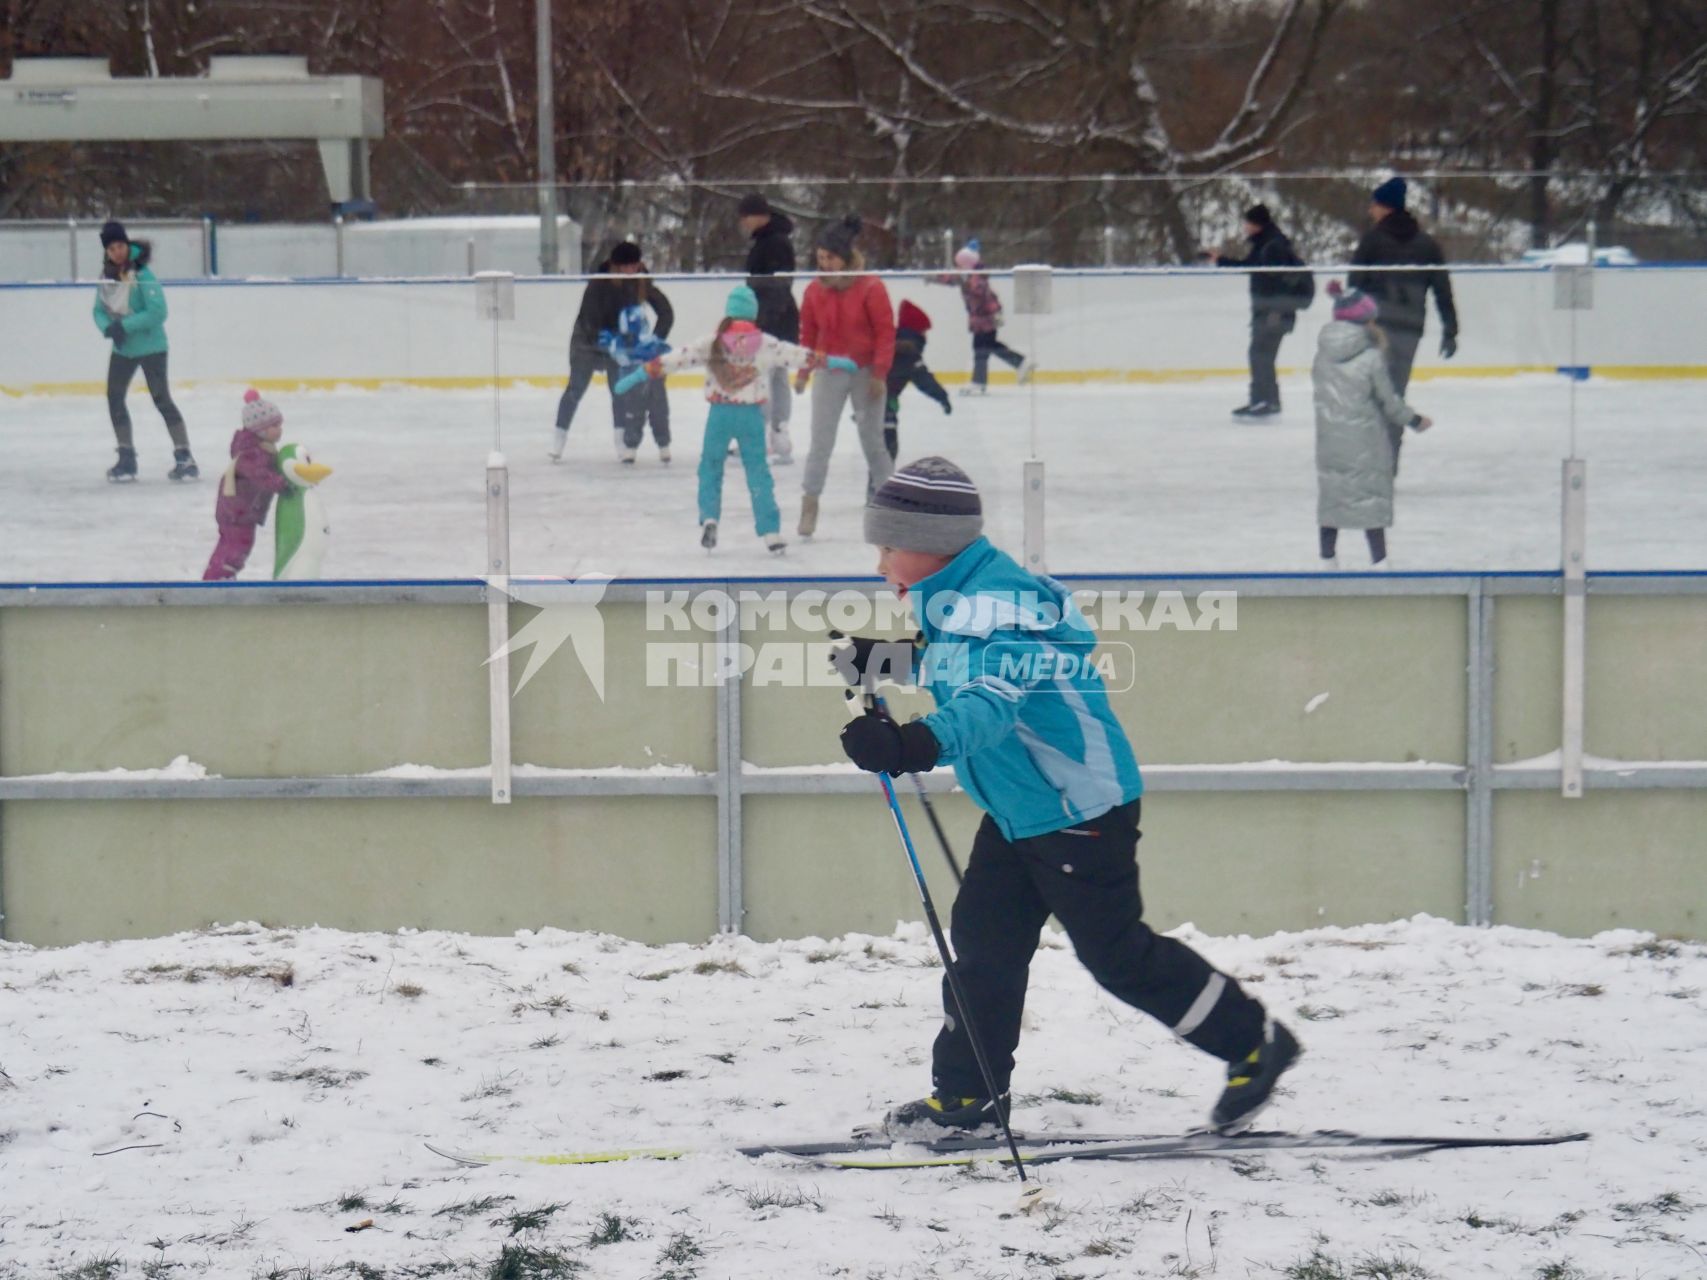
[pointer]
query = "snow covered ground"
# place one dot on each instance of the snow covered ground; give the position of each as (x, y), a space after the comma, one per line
(1142, 478)
(254, 1094)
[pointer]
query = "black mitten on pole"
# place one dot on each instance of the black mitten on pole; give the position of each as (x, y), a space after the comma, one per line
(878, 745)
(865, 662)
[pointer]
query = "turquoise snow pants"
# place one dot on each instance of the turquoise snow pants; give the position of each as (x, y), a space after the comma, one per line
(745, 424)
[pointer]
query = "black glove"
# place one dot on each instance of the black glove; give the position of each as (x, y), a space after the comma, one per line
(1449, 344)
(878, 745)
(864, 661)
(115, 331)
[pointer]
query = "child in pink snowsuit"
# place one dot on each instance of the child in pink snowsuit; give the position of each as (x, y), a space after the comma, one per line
(248, 487)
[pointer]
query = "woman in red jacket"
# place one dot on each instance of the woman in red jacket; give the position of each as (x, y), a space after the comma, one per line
(845, 314)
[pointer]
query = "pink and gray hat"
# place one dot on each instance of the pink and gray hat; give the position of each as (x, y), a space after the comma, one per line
(259, 414)
(1351, 304)
(930, 505)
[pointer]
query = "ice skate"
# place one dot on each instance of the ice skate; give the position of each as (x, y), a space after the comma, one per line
(975, 389)
(124, 470)
(183, 467)
(1027, 367)
(775, 545)
(664, 453)
(559, 441)
(628, 456)
(1258, 409)
(708, 534)
(808, 515)
(779, 446)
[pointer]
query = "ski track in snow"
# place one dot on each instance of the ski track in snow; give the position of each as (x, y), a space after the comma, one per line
(1151, 479)
(274, 1098)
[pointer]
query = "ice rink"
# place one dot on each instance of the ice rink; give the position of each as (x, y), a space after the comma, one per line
(1152, 478)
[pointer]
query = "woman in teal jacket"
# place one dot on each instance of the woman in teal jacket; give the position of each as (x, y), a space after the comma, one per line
(130, 311)
(1024, 719)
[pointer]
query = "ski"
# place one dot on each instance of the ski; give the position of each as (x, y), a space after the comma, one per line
(1038, 1148)
(1188, 1146)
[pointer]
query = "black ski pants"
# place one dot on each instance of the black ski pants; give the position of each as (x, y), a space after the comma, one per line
(1268, 328)
(121, 372)
(1401, 354)
(1087, 877)
(584, 362)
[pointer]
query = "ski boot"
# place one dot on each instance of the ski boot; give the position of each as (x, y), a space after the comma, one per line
(124, 470)
(1251, 1080)
(183, 467)
(708, 534)
(927, 1117)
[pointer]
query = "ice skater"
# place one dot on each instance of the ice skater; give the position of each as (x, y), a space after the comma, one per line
(770, 274)
(911, 326)
(739, 360)
(1358, 417)
(845, 313)
(983, 318)
(1043, 755)
(602, 305)
(247, 488)
(130, 312)
(1276, 299)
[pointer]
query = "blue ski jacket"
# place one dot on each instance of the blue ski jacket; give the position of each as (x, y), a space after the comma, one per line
(1022, 713)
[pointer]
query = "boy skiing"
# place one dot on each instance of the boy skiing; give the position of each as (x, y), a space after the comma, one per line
(1042, 754)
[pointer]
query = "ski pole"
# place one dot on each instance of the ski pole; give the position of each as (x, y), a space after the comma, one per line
(930, 809)
(1034, 1191)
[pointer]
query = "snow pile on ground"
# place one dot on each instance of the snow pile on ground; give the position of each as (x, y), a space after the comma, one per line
(1141, 479)
(236, 1102)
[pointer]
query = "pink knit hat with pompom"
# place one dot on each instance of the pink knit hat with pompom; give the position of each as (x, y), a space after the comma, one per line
(1351, 304)
(259, 414)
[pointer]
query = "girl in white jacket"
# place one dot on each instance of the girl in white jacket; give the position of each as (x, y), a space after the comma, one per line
(738, 359)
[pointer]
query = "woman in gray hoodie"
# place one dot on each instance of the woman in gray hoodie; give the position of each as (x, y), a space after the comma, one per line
(1359, 419)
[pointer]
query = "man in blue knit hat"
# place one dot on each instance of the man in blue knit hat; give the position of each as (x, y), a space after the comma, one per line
(1402, 296)
(1024, 719)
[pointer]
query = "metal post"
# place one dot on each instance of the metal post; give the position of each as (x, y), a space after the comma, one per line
(498, 621)
(208, 265)
(1033, 296)
(71, 228)
(495, 301)
(1573, 538)
(547, 142)
(1108, 246)
(731, 908)
(1478, 758)
(471, 270)
(338, 243)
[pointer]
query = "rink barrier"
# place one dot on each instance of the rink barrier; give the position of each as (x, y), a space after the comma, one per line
(733, 777)
(1003, 378)
(1124, 326)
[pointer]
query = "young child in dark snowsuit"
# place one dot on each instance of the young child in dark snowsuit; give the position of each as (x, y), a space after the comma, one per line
(911, 325)
(1035, 744)
(247, 489)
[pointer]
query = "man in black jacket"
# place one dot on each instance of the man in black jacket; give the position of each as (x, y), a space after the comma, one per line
(1396, 241)
(601, 308)
(770, 270)
(1276, 299)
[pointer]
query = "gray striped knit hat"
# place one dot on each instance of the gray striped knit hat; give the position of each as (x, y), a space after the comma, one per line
(930, 505)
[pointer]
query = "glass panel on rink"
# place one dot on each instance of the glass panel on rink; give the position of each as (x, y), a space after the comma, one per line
(1137, 373)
